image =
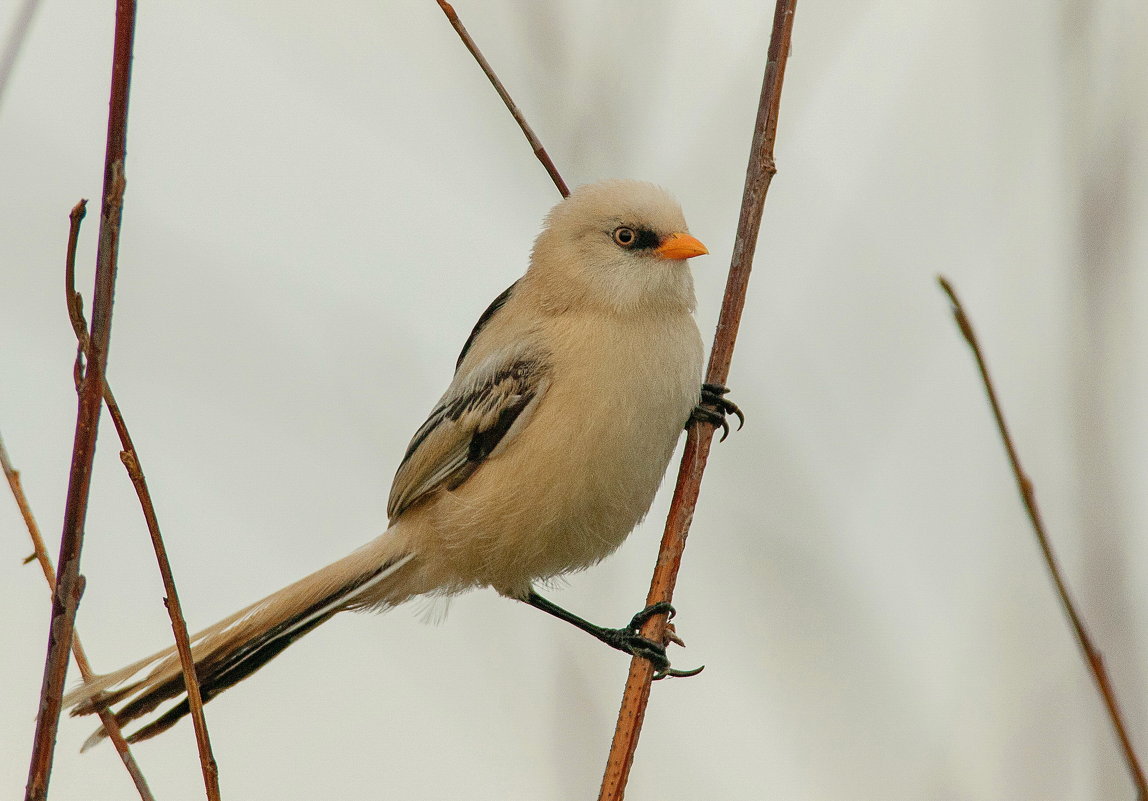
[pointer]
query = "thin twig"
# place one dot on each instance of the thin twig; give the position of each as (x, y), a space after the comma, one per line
(759, 174)
(1092, 655)
(40, 551)
(535, 144)
(74, 301)
(130, 458)
(68, 580)
(178, 625)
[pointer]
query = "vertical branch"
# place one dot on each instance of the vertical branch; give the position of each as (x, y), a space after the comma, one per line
(68, 580)
(1092, 655)
(40, 552)
(535, 144)
(759, 174)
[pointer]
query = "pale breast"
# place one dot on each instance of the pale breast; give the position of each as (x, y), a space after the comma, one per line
(570, 488)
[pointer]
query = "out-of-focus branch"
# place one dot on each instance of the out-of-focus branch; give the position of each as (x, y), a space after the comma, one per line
(40, 553)
(14, 42)
(1028, 496)
(68, 579)
(535, 144)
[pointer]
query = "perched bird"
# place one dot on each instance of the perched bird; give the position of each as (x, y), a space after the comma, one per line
(545, 451)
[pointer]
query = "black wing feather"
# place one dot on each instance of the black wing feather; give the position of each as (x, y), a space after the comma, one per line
(494, 306)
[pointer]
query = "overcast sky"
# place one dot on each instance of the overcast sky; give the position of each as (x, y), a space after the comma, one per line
(321, 200)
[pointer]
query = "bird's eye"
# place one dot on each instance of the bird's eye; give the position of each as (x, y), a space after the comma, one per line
(625, 237)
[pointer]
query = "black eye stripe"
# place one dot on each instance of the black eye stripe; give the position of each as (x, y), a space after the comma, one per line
(647, 239)
(635, 238)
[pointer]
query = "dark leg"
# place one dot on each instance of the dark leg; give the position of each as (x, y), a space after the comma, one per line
(625, 639)
(713, 408)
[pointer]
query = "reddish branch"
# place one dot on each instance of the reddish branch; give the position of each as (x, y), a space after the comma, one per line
(1028, 496)
(68, 580)
(40, 553)
(759, 174)
(535, 144)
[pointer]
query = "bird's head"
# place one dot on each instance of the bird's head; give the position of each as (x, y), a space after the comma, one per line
(616, 246)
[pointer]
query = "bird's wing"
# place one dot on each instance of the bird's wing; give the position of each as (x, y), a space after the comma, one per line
(483, 320)
(481, 412)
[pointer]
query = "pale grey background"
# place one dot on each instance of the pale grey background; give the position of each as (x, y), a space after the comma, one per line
(323, 197)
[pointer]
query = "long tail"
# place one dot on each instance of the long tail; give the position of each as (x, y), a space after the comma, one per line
(237, 646)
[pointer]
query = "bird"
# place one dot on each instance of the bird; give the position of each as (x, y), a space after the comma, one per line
(543, 454)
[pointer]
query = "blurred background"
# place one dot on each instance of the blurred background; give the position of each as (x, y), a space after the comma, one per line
(322, 199)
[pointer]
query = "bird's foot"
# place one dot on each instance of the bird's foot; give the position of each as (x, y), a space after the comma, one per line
(714, 407)
(630, 640)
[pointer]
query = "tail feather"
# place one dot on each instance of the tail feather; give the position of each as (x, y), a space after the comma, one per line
(237, 646)
(216, 674)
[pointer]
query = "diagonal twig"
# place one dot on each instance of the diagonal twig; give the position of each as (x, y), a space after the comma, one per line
(130, 458)
(535, 144)
(1092, 655)
(40, 553)
(759, 174)
(68, 579)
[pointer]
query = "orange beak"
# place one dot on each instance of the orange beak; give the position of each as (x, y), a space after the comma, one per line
(680, 246)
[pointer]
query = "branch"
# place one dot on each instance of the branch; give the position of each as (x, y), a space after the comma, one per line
(40, 553)
(759, 174)
(1092, 656)
(535, 144)
(66, 594)
(130, 458)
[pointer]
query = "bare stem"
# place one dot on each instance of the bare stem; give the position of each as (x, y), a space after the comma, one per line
(535, 144)
(74, 301)
(1024, 484)
(130, 458)
(759, 174)
(68, 579)
(40, 551)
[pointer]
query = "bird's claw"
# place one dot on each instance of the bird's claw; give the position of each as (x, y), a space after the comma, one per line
(662, 607)
(674, 673)
(714, 407)
(632, 642)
